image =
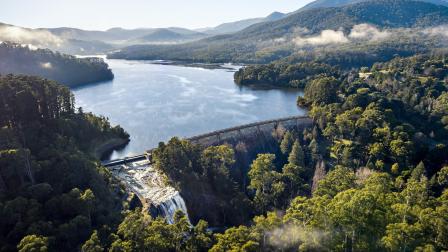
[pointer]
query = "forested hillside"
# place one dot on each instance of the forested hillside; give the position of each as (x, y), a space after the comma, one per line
(374, 29)
(236, 26)
(370, 176)
(69, 70)
(281, 74)
(53, 192)
(337, 3)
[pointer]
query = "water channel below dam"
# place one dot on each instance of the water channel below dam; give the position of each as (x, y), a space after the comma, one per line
(141, 178)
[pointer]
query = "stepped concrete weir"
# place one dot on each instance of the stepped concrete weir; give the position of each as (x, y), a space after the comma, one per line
(149, 186)
(160, 199)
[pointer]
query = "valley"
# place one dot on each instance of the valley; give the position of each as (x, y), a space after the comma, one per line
(168, 126)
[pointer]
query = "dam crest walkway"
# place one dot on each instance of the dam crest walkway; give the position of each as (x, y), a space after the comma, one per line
(232, 135)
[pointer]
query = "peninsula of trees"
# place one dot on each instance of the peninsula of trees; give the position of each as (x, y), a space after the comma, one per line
(66, 69)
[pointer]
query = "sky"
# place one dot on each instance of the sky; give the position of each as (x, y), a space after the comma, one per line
(105, 14)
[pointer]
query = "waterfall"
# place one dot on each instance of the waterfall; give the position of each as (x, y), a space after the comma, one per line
(168, 208)
(148, 184)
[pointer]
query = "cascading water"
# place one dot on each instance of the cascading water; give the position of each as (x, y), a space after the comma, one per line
(148, 184)
(170, 207)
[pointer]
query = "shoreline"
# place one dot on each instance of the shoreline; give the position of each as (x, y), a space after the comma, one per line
(222, 66)
(102, 151)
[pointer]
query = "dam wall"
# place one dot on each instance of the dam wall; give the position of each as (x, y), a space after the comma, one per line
(243, 133)
(250, 132)
(140, 177)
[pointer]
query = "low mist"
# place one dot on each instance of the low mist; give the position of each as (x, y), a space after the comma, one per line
(36, 38)
(365, 32)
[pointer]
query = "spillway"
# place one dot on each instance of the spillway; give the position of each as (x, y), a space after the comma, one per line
(149, 185)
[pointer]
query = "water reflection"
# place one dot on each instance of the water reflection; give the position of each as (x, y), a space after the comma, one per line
(156, 102)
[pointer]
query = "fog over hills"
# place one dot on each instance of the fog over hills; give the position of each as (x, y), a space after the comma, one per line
(369, 23)
(78, 41)
(44, 38)
(124, 36)
(266, 38)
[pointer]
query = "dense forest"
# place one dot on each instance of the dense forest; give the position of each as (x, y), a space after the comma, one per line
(283, 75)
(370, 176)
(66, 69)
(53, 192)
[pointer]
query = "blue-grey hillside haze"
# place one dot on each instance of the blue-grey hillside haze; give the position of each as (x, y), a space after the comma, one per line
(337, 3)
(156, 102)
(105, 14)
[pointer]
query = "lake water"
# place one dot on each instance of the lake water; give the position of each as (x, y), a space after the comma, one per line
(154, 102)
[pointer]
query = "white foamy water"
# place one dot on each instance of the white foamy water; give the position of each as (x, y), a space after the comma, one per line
(149, 185)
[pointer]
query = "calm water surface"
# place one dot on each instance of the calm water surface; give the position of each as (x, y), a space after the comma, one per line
(156, 102)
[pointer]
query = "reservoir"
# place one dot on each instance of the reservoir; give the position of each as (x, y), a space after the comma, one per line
(155, 102)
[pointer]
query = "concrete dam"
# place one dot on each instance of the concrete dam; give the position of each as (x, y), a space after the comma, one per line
(140, 177)
(251, 131)
(233, 135)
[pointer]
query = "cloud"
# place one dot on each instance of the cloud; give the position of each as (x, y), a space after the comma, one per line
(46, 65)
(32, 47)
(324, 38)
(369, 32)
(38, 38)
(290, 236)
(441, 30)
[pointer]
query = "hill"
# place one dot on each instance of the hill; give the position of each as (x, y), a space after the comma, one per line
(89, 42)
(120, 36)
(55, 39)
(338, 3)
(236, 26)
(168, 36)
(67, 69)
(380, 13)
(269, 41)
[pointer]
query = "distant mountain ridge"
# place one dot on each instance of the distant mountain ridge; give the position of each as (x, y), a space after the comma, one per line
(243, 37)
(338, 3)
(45, 38)
(87, 42)
(120, 35)
(266, 41)
(381, 13)
(236, 26)
(164, 35)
